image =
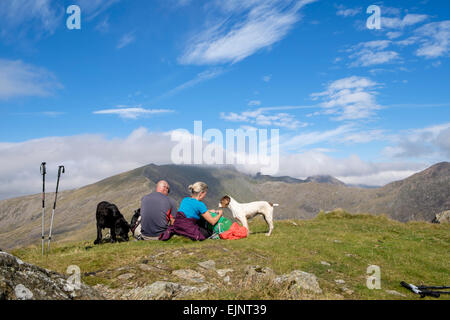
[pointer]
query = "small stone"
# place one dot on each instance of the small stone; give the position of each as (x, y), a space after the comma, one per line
(223, 272)
(395, 293)
(339, 281)
(347, 290)
(189, 275)
(227, 280)
(337, 241)
(126, 276)
(23, 293)
(158, 290)
(145, 267)
(208, 265)
(325, 263)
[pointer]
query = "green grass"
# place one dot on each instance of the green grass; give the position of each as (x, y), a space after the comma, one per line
(415, 252)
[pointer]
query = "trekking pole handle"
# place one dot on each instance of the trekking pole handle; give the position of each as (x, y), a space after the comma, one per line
(43, 173)
(411, 287)
(43, 169)
(61, 169)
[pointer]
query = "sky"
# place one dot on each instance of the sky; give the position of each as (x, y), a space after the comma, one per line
(368, 106)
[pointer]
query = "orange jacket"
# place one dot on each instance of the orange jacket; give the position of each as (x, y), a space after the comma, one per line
(235, 232)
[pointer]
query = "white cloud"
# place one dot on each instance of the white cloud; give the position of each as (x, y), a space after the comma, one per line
(20, 17)
(199, 78)
(431, 142)
(253, 103)
(19, 79)
(261, 117)
(133, 113)
(349, 98)
(434, 39)
(126, 40)
(267, 78)
(397, 23)
(266, 22)
(394, 34)
(350, 170)
(93, 8)
(300, 141)
(351, 12)
(372, 53)
(88, 158)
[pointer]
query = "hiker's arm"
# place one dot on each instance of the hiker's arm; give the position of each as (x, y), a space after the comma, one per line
(212, 220)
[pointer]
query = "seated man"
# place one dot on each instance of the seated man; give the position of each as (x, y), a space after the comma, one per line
(157, 212)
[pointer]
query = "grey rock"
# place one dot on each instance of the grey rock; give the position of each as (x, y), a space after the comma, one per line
(347, 290)
(325, 263)
(23, 293)
(442, 217)
(159, 290)
(145, 267)
(299, 281)
(223, 272)
(208, 265)
(339, 281)
(189, 275)
(164, 290)
(254, 274)
(191, 290)
(395, 293)
(20, 280)
(126, 276)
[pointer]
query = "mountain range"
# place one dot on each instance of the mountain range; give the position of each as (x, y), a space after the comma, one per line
(418, 197)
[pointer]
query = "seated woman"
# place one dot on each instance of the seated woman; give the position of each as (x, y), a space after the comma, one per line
(187, 220)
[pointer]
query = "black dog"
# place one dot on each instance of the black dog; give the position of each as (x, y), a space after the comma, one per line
(109, 216)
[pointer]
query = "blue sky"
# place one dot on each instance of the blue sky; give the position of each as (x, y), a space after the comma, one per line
(366, 106)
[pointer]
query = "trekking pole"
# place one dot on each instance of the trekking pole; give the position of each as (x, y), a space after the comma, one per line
(43, 173)
(424, 291)
(61, 169)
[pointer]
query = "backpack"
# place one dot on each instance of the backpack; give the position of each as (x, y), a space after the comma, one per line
(221, 226)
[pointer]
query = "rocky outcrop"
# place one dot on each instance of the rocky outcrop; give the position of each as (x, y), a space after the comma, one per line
(297, 282)
(443, 217)
(23, 281)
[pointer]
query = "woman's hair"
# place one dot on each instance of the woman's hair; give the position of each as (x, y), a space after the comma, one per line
(198, 187)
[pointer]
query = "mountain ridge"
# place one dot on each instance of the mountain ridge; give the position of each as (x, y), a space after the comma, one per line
(418, 197)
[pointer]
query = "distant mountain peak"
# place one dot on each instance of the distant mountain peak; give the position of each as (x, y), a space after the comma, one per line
(325, 179)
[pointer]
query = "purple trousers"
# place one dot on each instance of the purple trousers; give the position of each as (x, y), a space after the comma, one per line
(187, 227)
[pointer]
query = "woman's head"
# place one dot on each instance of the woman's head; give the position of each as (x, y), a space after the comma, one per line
(198, 190)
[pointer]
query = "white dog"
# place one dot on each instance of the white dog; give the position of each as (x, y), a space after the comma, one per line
(244, 211)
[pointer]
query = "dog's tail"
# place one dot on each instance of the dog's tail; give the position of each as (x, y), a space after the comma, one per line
(273, 204)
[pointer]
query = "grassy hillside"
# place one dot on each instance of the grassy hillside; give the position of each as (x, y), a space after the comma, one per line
(419, 197)
(415, 252)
